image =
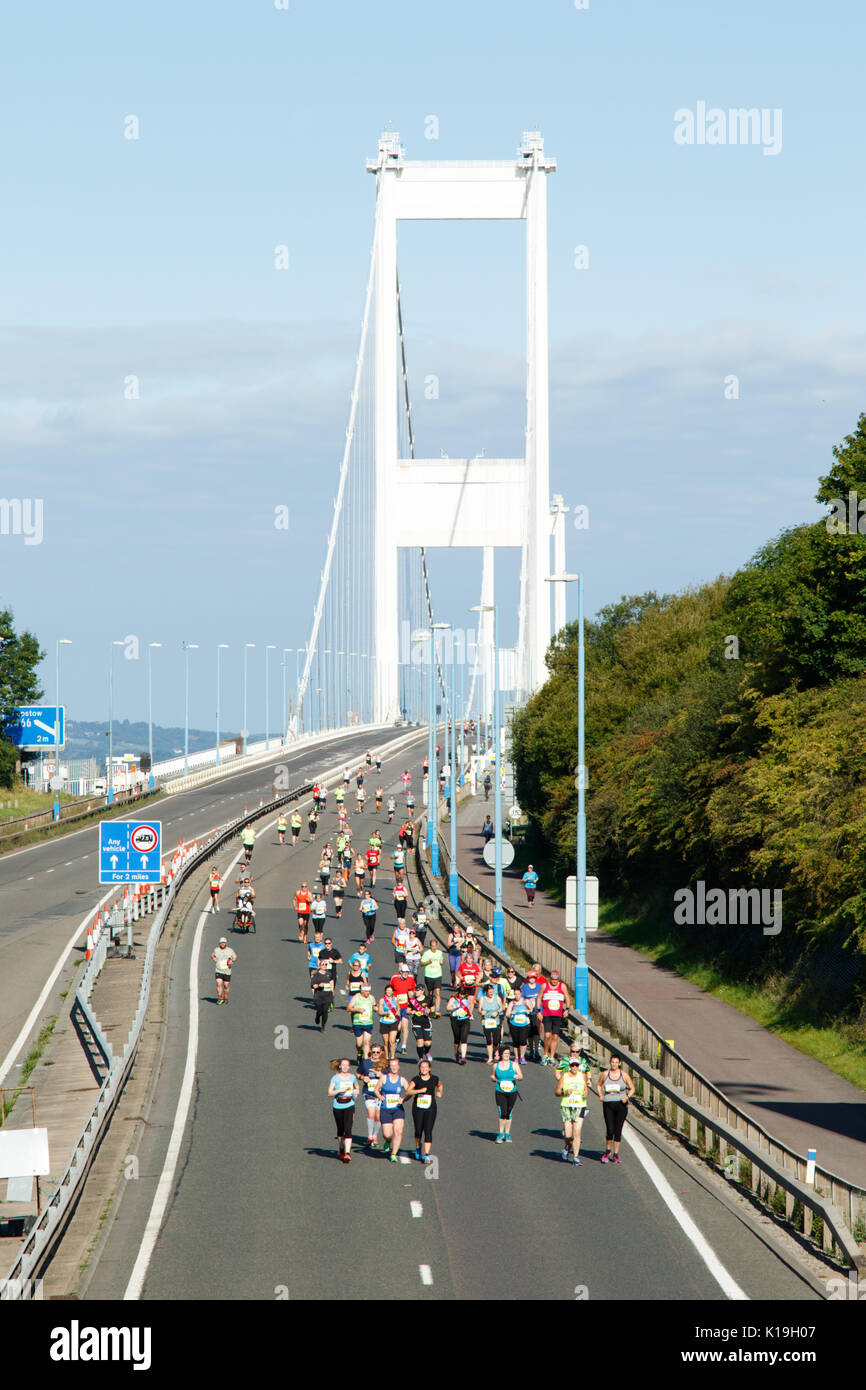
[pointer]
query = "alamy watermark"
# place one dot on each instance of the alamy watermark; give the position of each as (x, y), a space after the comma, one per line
(849, 521)
(714, 125)
(22, 516)
(743, 907)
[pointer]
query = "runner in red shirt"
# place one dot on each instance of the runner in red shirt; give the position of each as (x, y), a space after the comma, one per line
(468, 973)
(403, 984)
(301, 902)
(372, 864)
(554, 1006)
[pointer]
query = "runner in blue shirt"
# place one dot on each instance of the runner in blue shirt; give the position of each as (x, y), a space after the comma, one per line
(530, 990)
(530, 883)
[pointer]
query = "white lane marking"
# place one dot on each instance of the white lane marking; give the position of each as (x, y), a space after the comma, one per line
(166, 1178)
(46, 990)
(68, 862)
(30, 878)
(403, 1158)
(49, 871)
(416, 1209)
(728, 1285)
(426, 1274)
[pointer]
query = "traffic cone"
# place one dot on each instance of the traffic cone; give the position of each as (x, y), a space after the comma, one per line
(89, 944)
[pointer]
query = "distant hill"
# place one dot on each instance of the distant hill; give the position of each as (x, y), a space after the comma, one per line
(87, 739)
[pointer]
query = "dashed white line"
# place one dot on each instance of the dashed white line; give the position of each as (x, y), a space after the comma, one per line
(426, 1274)
(416, 1209)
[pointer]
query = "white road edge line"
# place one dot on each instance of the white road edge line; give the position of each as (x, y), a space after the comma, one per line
(426, 1274)
(729, 1286)
(416, 1209)
(166, 1178)
(6, 1064)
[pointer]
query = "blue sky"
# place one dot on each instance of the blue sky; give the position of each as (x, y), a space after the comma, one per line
(154, 257)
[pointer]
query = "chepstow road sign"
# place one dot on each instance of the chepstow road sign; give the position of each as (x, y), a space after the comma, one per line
(130, 851)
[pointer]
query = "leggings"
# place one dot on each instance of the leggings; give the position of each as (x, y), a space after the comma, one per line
(345, 1118)
(322, 1000)
(460, 1029)
(369, 925)
(424, 1120)
(614, 1118)
(505, 1100)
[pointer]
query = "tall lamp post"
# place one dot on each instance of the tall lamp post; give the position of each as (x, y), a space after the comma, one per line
(498, 913)
(433, 771)
(283, 663)
(581, 969)
(110, 796)
(271, 647)
(61, 642)
(150, 647)
(187, 647)
(221, 647)
(452, 873)
(245, 733)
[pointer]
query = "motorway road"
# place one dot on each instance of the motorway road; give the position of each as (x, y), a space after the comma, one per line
(48, 889)
(261, 1208)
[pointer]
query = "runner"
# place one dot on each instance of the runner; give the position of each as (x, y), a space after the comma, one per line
(369, 907)
(554, 1007)
(530, 883)
(402, 984)
(339, 798)
(360, 798)
(487, 784)
(364, 959)
(343, 1091)
(468, 972)
(379, 795)
(338, 892)
(420, 923)
(401, 902)
(389, 1090)
(410, 833)
(347, 777)
(372, 858)
(360, 872)
(312, 822)
(571, 1087)
(216, 884)
(487, 830)
(490, 1010)
(410, 803)
(615, 1089)
(530, 990)
(406, 779)
(223, 958)
(392, 806)
(369, 758)
(295, 824)
(248, 840)
(361, 1007)
(322, 985)
(301, 903)
(419, 1018)
(378, 762)
(506, 1074)
(389, 1022)
(325, 871)
(519, 1023)
(282, 827)
(432, 961)
(413, 953)
(424, 1089)
(456, 941)
(318, 912)
(460, 1007)
(369, 1073)
(400, 940)
(314, 950)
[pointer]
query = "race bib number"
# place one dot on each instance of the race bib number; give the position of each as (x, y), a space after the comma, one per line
(506, 1085)
(391, 1102)
(423, 1102)
(490, 1022)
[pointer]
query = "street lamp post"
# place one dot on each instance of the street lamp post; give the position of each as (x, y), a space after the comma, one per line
(61, 642)
(245, 733)
(150, 645)
(283, 738)
(187, 647)
(581, 969)
(498, 913)
(452, 873)
(110, 795)
(433, 771)
(221, 647)
(271, 647)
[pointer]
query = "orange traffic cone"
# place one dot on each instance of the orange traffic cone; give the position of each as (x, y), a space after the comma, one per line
(89, 944)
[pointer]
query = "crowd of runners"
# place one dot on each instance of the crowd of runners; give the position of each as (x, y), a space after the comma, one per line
(522, 1021)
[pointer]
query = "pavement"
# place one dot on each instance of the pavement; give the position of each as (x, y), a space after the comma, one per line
(795, 1098)
(261, 1208)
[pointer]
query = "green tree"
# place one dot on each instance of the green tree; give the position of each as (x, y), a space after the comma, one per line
(19, 684)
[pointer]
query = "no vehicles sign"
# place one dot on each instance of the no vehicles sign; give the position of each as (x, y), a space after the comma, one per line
(130, 851)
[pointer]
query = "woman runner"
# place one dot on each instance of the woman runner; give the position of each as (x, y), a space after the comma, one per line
(615, 1089)
(460, 1007)
(379, 795)
(571, 1088)
(490, 1009)
(369, 1073)
(519, 1022)
(343, 1091)
(389, 1022)
(390, 1093)
(506, 1074)
(338, 893)
(361, 1007)
(424, 1089)
(455, 949)
(420, 1021)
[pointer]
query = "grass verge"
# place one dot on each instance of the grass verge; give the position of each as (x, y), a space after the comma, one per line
(128, 811)
(841, 1046)
(30, 1062)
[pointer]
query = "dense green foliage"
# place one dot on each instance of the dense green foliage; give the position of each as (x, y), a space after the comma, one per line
(19, 684)
(725, 741)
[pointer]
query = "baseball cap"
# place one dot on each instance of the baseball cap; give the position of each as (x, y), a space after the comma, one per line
(221, 941)
(497, 970)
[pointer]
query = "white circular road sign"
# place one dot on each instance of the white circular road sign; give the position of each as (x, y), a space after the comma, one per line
(143, 839)
(489, 853)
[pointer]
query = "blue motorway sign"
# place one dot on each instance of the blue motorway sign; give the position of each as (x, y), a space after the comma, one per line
(33, 726)
(130, 851)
